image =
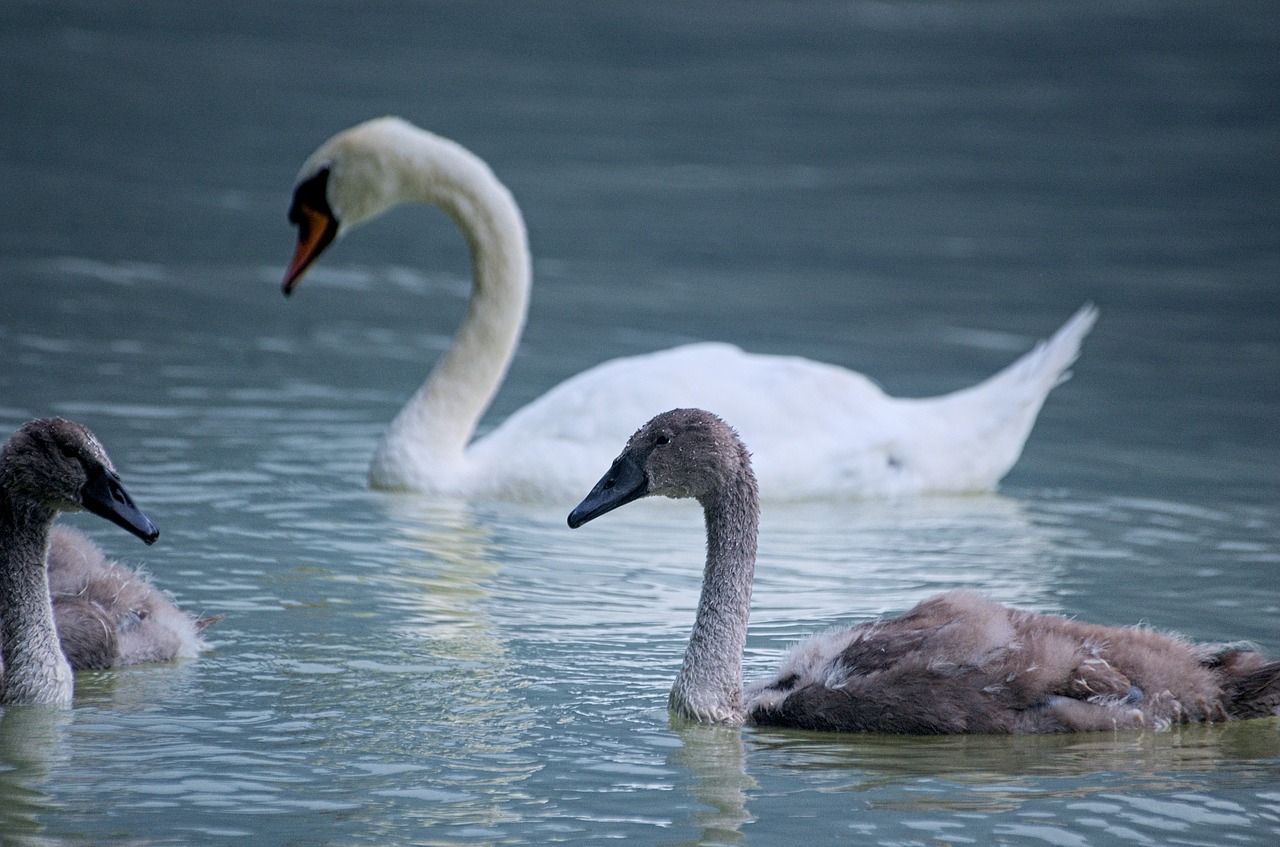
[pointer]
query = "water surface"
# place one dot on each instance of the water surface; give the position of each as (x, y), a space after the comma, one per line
(915, 191)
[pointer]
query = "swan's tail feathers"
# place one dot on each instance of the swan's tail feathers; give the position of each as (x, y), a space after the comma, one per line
(987, 424)
(1028, 381)
(1047, 365)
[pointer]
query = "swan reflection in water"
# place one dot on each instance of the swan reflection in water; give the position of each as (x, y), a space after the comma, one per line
(437, 588)
(977, 774)
(996, 773)
(32, 745)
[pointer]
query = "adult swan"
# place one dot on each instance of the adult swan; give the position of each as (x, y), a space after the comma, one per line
(820, 430)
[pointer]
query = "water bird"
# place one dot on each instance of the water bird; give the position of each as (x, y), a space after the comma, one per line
(63, 605)
(956, 663)
(821, 430)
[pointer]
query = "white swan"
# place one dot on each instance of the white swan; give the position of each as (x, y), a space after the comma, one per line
(62, 605)
(820, 430)
(956, 663)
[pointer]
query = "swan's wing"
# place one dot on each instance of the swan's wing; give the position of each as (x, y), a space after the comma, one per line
(809, 425)
(956, 663)
(899, 688)
(86, 633)
(927, 671)
(815, 430)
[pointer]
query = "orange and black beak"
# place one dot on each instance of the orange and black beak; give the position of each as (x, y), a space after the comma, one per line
(317, 226)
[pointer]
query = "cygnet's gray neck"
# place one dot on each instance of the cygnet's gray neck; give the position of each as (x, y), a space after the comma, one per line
(709, 686)
(35, 670)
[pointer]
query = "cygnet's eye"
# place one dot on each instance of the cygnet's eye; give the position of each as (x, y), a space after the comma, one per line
(69, 451)
(662, 439)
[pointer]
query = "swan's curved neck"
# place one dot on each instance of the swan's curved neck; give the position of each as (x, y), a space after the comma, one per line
(709, 686)
(35, 669)
(427, 440)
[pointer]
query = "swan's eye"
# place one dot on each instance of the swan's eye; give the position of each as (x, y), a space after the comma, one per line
(662, 439)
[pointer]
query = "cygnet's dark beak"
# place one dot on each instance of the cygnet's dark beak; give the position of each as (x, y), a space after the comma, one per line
(104, 495)
(625, 482)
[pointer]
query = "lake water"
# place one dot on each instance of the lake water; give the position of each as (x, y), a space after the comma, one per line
(916, 190)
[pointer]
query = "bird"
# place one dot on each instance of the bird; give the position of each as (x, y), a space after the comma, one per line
(63, 605)
(955, 663)
(821, 430)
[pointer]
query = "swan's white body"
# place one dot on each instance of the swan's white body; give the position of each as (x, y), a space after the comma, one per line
(820, 431)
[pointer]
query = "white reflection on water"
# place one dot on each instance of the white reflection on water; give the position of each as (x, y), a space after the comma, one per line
(715, 757)
(32, 747)
(961, 786)
(1054, 788)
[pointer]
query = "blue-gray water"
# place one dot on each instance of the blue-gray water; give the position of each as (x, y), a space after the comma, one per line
(914, 190)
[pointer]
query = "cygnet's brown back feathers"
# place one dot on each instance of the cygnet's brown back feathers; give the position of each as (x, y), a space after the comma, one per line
(108, 615)
(962, 663)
